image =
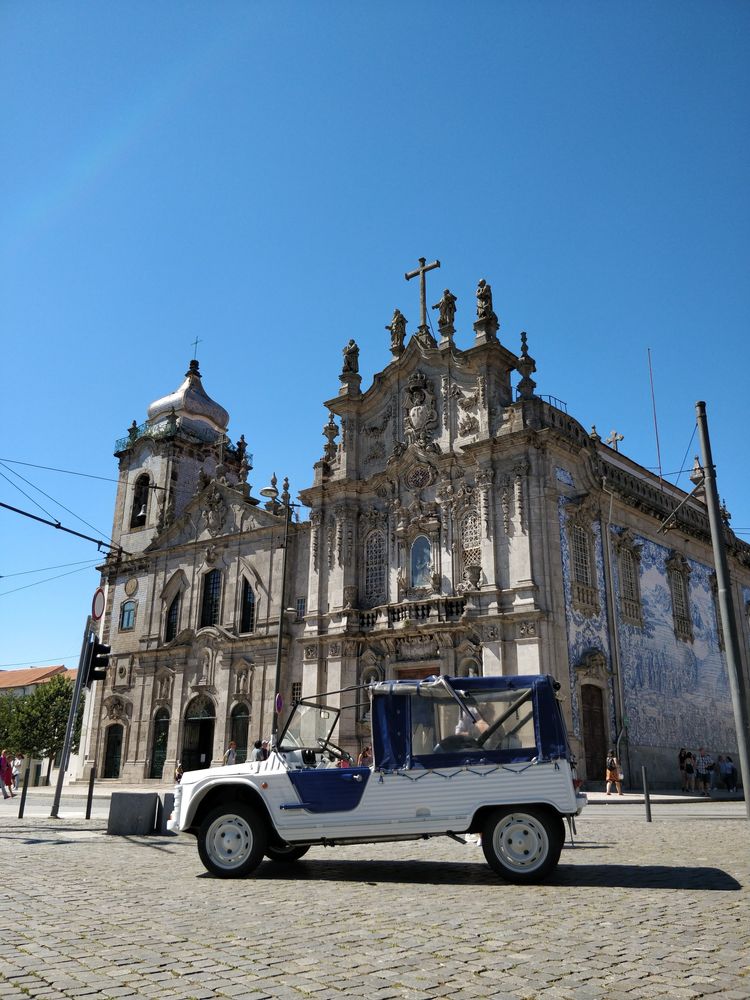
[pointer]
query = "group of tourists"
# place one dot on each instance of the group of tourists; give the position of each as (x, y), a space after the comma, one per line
(700, 773)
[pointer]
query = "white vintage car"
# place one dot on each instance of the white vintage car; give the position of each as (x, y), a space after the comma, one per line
(452, 756)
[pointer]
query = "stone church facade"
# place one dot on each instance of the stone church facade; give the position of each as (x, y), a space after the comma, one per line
(459, 523)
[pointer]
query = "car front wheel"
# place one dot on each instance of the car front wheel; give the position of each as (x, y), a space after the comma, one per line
(523, 845)
(232, 840)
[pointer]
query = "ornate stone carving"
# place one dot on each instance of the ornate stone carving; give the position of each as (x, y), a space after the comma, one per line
(416, 648)
(316, 520)
(520, 471)
(350, 597)
(526, 365)
(334, 649)
(418, 477)
(163, 685)
(374, 433)
(311, 652)
(331, 540)
(330, 433)
(215, 511)
(592, 667)
(420, 412)
(492, 633)
(349, 647)
(484, 481)
(527, 630)
(351, 359)
(505, 503)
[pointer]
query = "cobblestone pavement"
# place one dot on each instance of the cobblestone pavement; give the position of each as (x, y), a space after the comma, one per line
(635, 910)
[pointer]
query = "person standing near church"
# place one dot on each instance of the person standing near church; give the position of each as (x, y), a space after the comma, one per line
(230, 755)
(6, 775)
(613, 773)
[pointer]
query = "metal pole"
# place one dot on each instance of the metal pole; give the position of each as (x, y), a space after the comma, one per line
(277, 677)
(22, 803)
(83, 661)
(89, 797)
(646, 793)
(737, 681)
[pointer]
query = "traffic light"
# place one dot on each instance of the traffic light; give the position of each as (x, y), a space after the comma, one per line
(96, 668)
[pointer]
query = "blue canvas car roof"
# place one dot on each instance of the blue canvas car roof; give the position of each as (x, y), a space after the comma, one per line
(393, 707)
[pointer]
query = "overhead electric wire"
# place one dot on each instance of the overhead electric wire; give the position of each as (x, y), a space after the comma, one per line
(48, 579)
(71, 512)
(67, 472)
(24, 493)
(682, 463)
(45, 569)
(38, 662)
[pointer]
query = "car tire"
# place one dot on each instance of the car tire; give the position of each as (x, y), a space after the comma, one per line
(232, 840)
(523, 844)
(286, 855)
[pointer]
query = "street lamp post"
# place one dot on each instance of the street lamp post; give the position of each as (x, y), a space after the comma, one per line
(272, 493)
(737, 681)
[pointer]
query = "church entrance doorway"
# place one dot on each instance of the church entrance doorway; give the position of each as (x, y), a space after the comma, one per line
(198, 739)
(594, 731)
(159, 747)
(113, 752)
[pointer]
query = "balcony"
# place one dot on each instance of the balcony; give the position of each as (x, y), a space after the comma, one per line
(430, 611)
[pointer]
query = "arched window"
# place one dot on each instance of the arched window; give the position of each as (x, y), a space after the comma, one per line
(239, 730)
(211, 598)
(581, 557)
(127, 616)
(375, 569)
(139, 510)
(630, 586)
(247, 611)
(173, 619)
(421, 561)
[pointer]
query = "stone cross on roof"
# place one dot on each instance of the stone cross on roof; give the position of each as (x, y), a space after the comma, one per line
(423, 268)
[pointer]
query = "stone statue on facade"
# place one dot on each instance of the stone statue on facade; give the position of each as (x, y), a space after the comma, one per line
(397, 326)
(484, 301)
(447, 309)
(351, 359)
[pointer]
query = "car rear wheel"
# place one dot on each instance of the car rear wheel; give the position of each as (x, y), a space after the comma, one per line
(523, 845)
(232, 840)
(286, 855)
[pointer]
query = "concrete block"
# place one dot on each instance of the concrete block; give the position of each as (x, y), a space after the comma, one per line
(132, 813)
(163, 812)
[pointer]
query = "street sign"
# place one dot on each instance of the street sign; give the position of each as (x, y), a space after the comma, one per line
(97, 604)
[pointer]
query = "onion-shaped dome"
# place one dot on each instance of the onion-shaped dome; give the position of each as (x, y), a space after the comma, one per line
(191, 406)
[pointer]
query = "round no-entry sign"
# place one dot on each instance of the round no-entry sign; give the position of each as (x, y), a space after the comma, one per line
(97, 604)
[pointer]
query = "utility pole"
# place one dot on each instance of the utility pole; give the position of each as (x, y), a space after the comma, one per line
(737, 680)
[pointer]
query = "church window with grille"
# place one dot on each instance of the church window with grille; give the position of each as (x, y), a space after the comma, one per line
(678, 572)
(247, 613)
(421, 561)
(296, 692)
(470, 541)
(211, 599)
(583, 579)
(140, 501)
(630, 591)
(375, 568)
(173, 619)
(127, 616)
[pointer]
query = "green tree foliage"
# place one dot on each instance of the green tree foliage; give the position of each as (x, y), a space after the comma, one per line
(40, 719)
(8, 715)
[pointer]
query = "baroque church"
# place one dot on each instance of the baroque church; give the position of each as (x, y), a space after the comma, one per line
(459, 523)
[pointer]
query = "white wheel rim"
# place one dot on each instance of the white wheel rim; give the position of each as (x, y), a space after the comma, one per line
(521, 842)
(229, 841)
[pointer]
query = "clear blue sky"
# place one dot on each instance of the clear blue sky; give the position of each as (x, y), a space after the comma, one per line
(260, 175)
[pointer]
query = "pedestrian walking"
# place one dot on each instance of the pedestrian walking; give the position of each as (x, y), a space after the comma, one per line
(704, 765)
(6, 775)
(230, 754)
(17, 768)
(681, 757)
(689, 772)
(614, 774)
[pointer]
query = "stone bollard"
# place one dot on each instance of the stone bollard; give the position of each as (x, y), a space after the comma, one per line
(132, 813)
(163, 812)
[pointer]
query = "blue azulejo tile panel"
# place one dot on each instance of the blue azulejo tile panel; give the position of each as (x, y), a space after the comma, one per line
(676, 692)
(563, 476)
(585, 633)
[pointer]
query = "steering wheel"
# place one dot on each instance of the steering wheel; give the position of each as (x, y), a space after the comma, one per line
(335, 751)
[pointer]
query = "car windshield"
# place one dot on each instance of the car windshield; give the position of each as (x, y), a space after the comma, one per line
(309, 726)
